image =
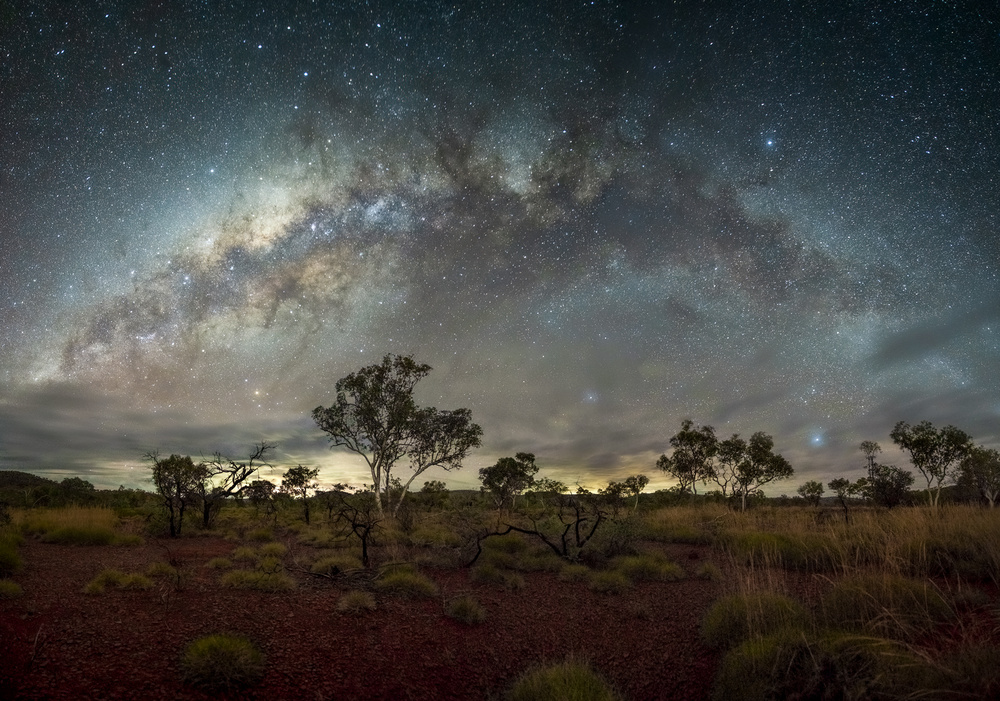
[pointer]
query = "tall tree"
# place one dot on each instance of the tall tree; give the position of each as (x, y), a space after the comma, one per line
(176, 481)
(935, 453)
(756, 465)
(729, 457)
(980, 470)
(811, 491)
(376, 417)
(871, 449)
(298, 482)
(508, 478)
(692, 459)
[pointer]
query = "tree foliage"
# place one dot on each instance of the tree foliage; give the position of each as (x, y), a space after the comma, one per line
(508, 478)
(980, 470)
(176, 481)
(692, 458)
(376, 417)
(298, 482)
(752, 464)
(886, 485)
(935, 453)
(811, 491)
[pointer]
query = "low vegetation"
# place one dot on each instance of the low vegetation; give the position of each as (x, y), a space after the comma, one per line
(465, 608)
(222, 662)
(356, 602)
(570, 680)
(111, 578)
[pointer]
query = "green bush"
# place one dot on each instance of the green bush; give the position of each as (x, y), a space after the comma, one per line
(356, 602)
(222, 663)
(648, 567)
(245, 554)
(80, 535)
(118, 580)
(10, 560)
(406, 581)
(260, 581)
(709, 571)
(9, 589)
(261, 535)
(332, 564)
(219, 563)
(466, 609)
(734, 619)
(793, 664)
(512, 544)
(609, 582)
(574, 573)
(489, 574)
(888, 605)
(273, 550)
(567, 681)
(161, 569)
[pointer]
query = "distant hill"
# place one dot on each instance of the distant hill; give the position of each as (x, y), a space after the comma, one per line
(15, 479)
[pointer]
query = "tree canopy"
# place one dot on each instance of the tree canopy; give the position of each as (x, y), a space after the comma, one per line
(375, 416)
(508, 478)
(692, 458)
(935, 453)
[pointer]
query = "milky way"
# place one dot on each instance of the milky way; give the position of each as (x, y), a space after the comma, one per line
(592, 219)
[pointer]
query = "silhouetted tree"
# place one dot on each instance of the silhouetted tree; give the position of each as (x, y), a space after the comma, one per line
(935, 453)
(298, 482)
(508, 478)
(753, 463)
(376, 417)
(260, 493)
(811, 491)
(176, 480)
(692, 459)
(844, 489)
(980, 470)
(225, 478)
(887, 485)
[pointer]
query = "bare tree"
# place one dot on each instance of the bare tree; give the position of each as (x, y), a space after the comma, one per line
(225, 478)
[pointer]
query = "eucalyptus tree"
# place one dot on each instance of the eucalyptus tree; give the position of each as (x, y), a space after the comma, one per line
(692, 458)
(375, 416)
(936, 453)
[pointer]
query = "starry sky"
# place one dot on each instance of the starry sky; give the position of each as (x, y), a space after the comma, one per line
(593, 219)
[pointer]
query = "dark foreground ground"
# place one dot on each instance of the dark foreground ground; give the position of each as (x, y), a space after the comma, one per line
(58, 643)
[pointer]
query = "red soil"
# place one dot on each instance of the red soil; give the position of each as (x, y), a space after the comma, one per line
(58, 643)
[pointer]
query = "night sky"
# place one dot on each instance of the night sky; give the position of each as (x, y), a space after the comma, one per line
(592, 219)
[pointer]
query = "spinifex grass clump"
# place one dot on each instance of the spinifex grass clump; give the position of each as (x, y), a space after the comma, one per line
(273, 550)
(648, 567)
(259, 580)
(796, 664)
(739, 617)
(885, 604)
(77, 525)
(118, 580)
(356, 602)
(609, 582)
(466, 609)
(10, 560)
(334, 564)
(222, 663)
(567, 681)
(404, 580)
(9, 589)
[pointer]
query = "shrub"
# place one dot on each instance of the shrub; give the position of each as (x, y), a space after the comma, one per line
(886, 604)
(609, 582)
(466, 609)
(569, 681)
(435, 536)
(79, 535)
(245, 554)
(792, 664)
(512, 544)
(406, 581)
(574, 573)
(219, 563)
(648, 566)
(734, 619)
(10, 560)
(333, 564)
(273, 550)
(356, 602)
(261, 535)
(222, 663)
(260, 581)
(709, 571)
(9, 589)
(161, 569)
(118, 580)
(489, 574)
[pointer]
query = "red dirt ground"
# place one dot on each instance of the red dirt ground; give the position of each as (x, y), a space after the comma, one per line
(58, 643)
